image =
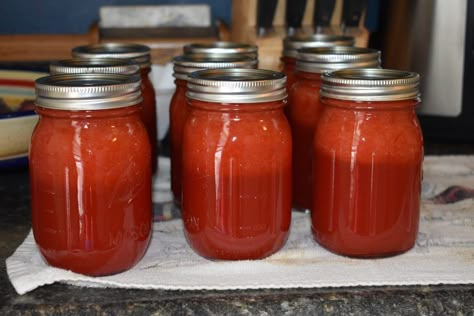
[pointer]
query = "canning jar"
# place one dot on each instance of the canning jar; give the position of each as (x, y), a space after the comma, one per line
(183, 66)
(221, 48)
(236, 199)
(90, 173)
(292, 43)
(368, 153)
(142, 56)
(304, 107)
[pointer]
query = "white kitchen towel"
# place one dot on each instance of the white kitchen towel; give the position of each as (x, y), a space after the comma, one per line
(444, 253)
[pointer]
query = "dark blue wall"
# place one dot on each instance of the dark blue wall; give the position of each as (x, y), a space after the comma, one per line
(75, 16)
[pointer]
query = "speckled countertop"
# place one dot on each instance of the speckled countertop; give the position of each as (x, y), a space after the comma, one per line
(70, 300)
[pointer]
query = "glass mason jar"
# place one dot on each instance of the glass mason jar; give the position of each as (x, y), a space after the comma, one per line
(221, 49)
(304, 106)
(142, 56)
(368, 153)
(183, 66)
(292, 43)
(90, 172)
(236, 167)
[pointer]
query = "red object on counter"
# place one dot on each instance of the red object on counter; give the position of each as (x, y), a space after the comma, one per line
(90, 173)
(141, 54)
(236, 164)
(183, 66)
(304, 108)
(368, 152)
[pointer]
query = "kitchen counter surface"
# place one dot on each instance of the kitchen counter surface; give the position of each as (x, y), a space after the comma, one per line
(71, 300)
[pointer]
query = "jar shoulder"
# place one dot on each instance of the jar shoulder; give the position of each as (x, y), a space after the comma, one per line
(389, 133)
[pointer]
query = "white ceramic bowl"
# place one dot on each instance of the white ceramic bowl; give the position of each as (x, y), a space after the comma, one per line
(17, 115)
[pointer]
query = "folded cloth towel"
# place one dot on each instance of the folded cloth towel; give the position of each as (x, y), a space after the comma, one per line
(444, 254)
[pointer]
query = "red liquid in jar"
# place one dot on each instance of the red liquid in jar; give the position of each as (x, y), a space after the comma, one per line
(303, 114)
(178, 112)
(148, 115)
(367, 177)
(289, 64)
(236, 179)
(91, 192)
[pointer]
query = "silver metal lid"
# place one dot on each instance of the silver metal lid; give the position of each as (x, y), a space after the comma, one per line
(292, 43)
(95, 65)
(136, 52)
(186, 64)
(75, 92)
(370, 84)
(236, 85)
(321, 59)
(221, 48)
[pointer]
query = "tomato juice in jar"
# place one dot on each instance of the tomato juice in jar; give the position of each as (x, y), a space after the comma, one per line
(292, 43)
(304, 107)
(90, 173)
(236, 167)
(183, 66)
(140, 54)
(368, 153)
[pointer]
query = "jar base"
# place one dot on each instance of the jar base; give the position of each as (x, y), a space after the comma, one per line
(211, 252)
(97, 265)
(87, 272)
(362, 255)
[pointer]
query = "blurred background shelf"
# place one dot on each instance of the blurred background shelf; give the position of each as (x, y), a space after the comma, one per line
(167, 41)
(46, 47)
(245, 17)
